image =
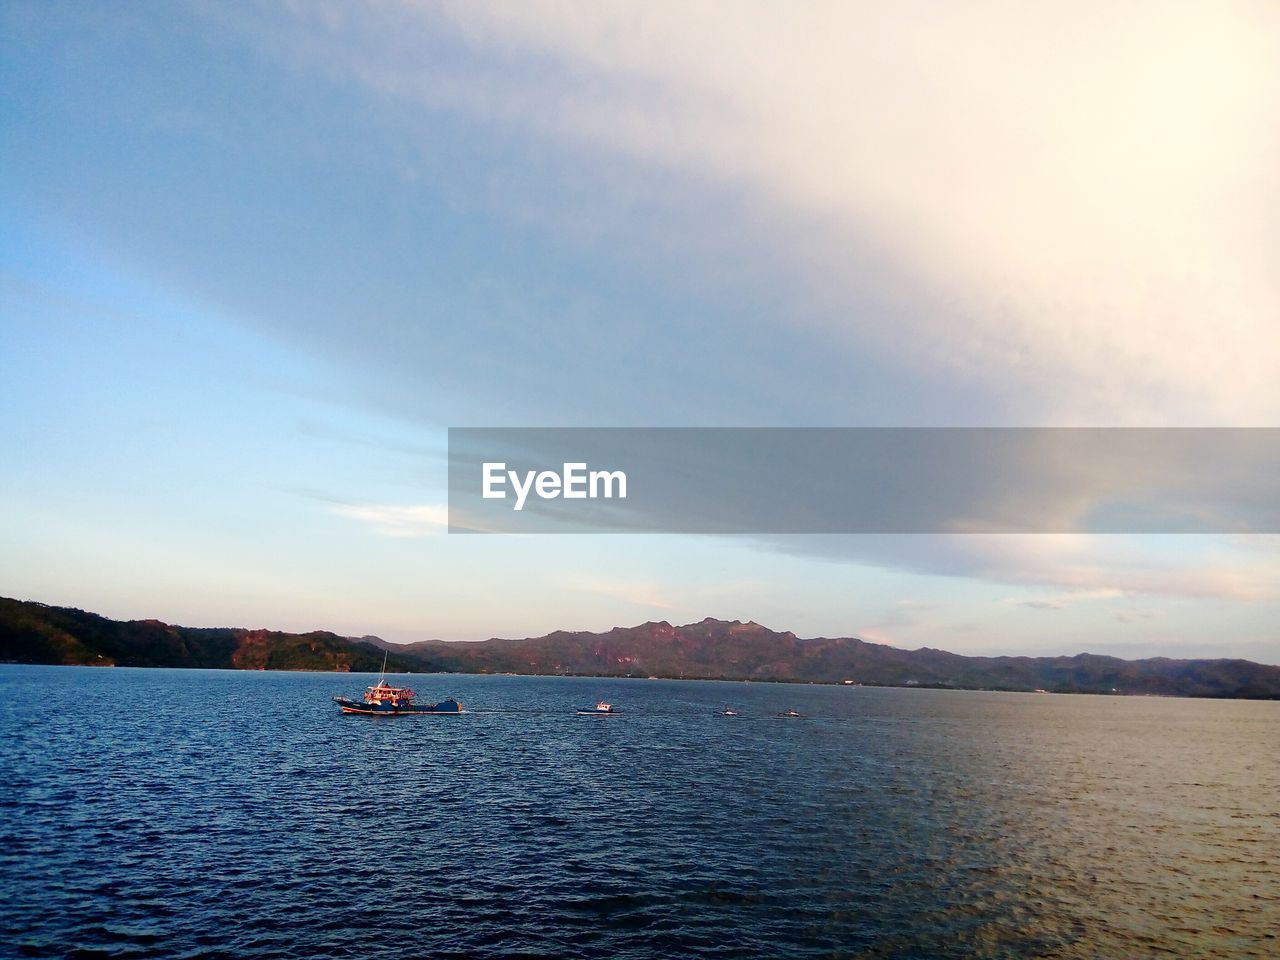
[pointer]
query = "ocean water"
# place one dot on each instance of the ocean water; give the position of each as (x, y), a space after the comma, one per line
(169, 813)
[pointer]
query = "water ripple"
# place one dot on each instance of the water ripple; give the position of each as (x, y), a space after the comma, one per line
(198, 814)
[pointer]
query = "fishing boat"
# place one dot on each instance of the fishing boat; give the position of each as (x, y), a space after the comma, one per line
(790, 714)
(601, 709)
(384, 700)
(728, 712)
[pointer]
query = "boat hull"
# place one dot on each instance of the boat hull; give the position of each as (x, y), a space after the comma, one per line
(597, 713)
(446, 708)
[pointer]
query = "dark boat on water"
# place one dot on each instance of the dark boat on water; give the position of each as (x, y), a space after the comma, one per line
(384, 700)
(601, 709)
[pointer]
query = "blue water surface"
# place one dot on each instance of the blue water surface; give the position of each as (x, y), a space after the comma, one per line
(192, 813)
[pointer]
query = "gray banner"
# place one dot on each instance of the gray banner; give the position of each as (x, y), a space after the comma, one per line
(863, 480)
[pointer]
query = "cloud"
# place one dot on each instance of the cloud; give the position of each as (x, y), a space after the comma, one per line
(873, 635)
(1079, 566)
(1063, 600)
(1136, 615)
(641, 593)
(1074, 203)
(391, 520)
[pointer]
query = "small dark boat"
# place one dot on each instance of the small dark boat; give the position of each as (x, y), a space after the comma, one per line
(791, 713)
(601, 709)
(728, 712)
(384, 700)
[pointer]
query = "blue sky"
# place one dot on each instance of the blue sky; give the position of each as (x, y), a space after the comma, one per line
(256, 259)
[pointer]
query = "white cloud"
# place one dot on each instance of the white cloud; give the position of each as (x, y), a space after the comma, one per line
(392, 520)
(637, 592)
(1061, 601)
(874, 635)
(1079, 566)
(1076, 202)
(1137, 615)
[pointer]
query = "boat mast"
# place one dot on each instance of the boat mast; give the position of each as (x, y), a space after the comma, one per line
(383, 673)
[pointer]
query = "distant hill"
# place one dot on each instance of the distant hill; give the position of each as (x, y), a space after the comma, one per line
(711, 649)
(35, 633)
(732, 650)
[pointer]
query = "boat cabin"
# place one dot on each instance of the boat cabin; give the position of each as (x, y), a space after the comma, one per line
(383, 692)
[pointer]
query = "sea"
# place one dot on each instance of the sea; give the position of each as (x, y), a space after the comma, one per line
(151, 813)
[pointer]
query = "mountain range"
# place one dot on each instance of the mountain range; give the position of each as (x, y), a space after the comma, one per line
(33, 632)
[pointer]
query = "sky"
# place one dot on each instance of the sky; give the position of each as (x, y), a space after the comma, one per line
(255, 259)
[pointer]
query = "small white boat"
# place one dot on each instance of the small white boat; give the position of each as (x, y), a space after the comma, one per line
(728, 712)
(601, 709)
